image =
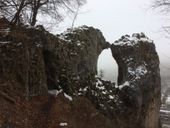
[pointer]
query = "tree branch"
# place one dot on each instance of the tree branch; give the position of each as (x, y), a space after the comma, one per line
(5, 96)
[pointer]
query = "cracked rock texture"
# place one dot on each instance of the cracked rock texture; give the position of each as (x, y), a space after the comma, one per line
(48, 81)
(138, 80)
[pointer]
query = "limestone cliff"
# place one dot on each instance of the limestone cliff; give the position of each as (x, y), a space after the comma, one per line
(74, 54)
(34, 62)
(21, 64)
(139, 80)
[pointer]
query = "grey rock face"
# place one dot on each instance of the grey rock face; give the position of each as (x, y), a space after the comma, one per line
(75, 54)
(32, 60)
(21, 66)
(138, 80)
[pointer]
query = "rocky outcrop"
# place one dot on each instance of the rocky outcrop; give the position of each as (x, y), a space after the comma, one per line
(74, 54)
(34, 62)
(138, 80)
(21, 65)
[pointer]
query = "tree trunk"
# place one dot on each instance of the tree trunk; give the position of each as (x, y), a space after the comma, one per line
(34, 17)
(16, 18)
(36, 6)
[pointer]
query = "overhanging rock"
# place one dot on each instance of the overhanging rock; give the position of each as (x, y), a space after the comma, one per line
(32, 58)
(138, 80)
(74, 54)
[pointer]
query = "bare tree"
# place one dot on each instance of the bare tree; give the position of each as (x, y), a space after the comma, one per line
(12, 9)
(164, 7)
(28, 10)
(76, 14)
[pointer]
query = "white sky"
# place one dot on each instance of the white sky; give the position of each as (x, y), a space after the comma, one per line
(118, 17)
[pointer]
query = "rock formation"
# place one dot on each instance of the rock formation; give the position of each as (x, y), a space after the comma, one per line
(21, 65)
(138, 80)
(34, 62)
(75, 54)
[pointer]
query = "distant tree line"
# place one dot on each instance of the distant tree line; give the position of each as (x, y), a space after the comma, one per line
(27, 11)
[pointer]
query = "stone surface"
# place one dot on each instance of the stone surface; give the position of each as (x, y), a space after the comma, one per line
(74, 54)
(138, 80)
(34, 62)
(22, 66)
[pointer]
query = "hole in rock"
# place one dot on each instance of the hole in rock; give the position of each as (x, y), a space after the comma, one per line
(107, 67)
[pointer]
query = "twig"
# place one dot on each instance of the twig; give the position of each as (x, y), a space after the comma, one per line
(5, 96)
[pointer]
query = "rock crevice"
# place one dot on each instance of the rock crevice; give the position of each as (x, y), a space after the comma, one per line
(33, 62)
(139, 78)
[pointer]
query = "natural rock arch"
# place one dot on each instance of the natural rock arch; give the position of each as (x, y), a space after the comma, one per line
(108, 66)
(134, 103)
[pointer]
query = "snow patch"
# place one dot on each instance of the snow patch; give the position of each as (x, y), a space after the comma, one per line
(141, 70)
(131, 71)
(54, 92)
(165, 126)
(111, 97)
(85, 89)
(165, 111)
(68, 97)
(98, 82)
(133, 40)
(63, 124)
(38, 45)
(137, 72)
(64, 36)
(82, 90)
(126, 83)
(99, 85)
(130, 59)
(19, 44)
(104, 92)
(5, 42)
(78, 44)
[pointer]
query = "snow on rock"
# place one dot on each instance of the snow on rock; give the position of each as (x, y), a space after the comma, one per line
(19, 44)
(57, 92)
(165, 111)
(131, 71)
(138, 79)
(104, 92)
(38, 45)
(138, 71)
(5, 42)
(133, 40)
(68, 97)
(78, 44)
(126, 83)
(82, 90)
(63, 124)
(111, 97)
(54, 92)
(85, 89)
(65, 35)
(98, 82)
(141, 70)
(99, 85)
